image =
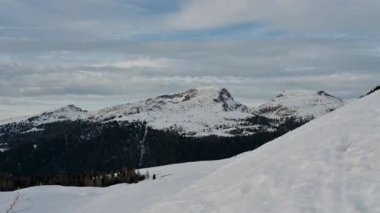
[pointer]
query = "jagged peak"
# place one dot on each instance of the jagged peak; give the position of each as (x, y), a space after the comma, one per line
(198, 105)
(202, 95)
(213, 92)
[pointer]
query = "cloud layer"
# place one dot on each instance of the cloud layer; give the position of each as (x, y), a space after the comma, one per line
(298, 15)
(96, 53)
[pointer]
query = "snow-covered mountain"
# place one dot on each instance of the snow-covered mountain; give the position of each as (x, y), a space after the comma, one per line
(196, 112)
(331, 164)
(299, 104)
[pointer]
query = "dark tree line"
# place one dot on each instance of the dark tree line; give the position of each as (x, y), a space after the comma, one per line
(371, 91)
(10, 182)
(63, 152)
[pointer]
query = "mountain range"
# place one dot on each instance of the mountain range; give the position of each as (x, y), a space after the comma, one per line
(198, 124)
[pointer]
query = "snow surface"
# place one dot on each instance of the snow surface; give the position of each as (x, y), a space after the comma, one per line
(331, 164)
(301, 104)
(117, 198)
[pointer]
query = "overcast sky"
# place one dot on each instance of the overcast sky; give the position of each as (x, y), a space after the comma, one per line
(97, 53)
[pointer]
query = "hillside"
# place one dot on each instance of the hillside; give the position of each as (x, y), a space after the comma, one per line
(331, 164)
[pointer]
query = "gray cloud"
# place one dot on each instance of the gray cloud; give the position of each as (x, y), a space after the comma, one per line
(299, 15)
(254, 71)
(96, 53)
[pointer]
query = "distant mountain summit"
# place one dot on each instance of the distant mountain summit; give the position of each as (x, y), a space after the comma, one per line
(202, 111)
(69, 112)
(299, 104)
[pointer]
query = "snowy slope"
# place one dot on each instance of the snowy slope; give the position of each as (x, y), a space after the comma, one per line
(300, 104)
(113, 199)
(331, 164)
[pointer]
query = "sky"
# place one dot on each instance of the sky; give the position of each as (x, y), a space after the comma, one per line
(98, 53)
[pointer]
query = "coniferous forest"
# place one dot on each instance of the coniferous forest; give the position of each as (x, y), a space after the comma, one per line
(78, 153)
(10, 182)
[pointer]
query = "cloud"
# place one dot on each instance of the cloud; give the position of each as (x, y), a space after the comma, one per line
(137, 62)
(289, 15)
(96, 53)
(94, 20)
(74, 20)
(254, 68)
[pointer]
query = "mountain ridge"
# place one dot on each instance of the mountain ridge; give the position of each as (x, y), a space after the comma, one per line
(197, 112)
(198, 124)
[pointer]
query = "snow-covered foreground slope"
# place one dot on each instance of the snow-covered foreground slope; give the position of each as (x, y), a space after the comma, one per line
(117, 198)
(331, 164)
